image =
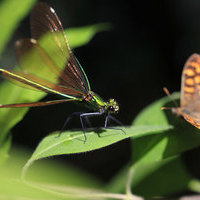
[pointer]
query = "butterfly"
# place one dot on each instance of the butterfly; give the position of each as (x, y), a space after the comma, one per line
(47, 64)
(190, 92)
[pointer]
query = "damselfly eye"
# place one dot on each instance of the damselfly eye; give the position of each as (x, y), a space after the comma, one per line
(113, 106)
(113, 109)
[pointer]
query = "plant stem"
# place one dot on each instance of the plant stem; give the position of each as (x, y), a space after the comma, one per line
(129, 194)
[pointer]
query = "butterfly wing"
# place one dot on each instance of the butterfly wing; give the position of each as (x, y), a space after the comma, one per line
(194, 119)
(190, 83)
(190, 90)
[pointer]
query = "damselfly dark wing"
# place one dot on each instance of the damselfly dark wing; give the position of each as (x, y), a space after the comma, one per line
(35, 62)
(46, 62)
(45, 23)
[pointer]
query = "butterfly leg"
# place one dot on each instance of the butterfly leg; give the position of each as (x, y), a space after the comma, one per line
(86, 116)
(108, 116)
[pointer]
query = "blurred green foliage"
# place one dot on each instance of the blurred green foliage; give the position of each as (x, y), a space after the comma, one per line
(158, 140)
(11, 13)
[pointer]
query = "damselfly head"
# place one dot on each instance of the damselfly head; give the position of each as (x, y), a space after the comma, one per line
(112, 106)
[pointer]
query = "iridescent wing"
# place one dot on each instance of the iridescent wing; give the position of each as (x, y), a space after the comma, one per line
(34, 82)
(46, 61)
(34, 60)
(50, 58)
(47, 29)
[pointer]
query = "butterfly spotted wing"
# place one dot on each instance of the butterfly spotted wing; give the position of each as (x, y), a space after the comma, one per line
(190, 91)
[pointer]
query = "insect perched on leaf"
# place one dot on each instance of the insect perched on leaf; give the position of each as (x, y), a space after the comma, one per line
(48, 53)
(190, 92)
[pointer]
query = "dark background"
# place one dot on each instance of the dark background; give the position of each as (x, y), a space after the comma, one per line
(144, 51)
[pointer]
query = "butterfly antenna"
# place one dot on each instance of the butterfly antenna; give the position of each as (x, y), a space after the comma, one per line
(170, 96)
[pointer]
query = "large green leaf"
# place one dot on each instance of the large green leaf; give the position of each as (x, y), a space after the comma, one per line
(64, 181)
(165, 177)
(73, 142)
(161, 147)
(11, 13)
(158, 178)
(153, 155)
(181, 138)
(48, 170)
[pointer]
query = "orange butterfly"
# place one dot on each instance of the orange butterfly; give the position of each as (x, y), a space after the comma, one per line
(190, 92)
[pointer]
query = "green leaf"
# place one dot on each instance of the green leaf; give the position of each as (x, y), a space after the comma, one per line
(13, 188)
(9, 117)
(152, 153)
(157, 178)
(161, 147)
(73, 142)
(181, 138)
(5, 146)
(87, 33)
(11, 13)
(48, 179)
(194, 185)
(17, 189)
(153, 114)
(50, 171)
(165, 177)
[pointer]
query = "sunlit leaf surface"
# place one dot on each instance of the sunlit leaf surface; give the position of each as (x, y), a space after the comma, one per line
(73, 142)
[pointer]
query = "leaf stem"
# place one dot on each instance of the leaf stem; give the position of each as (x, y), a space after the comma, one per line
(25, 168)
(129, 194)
(71, 192)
